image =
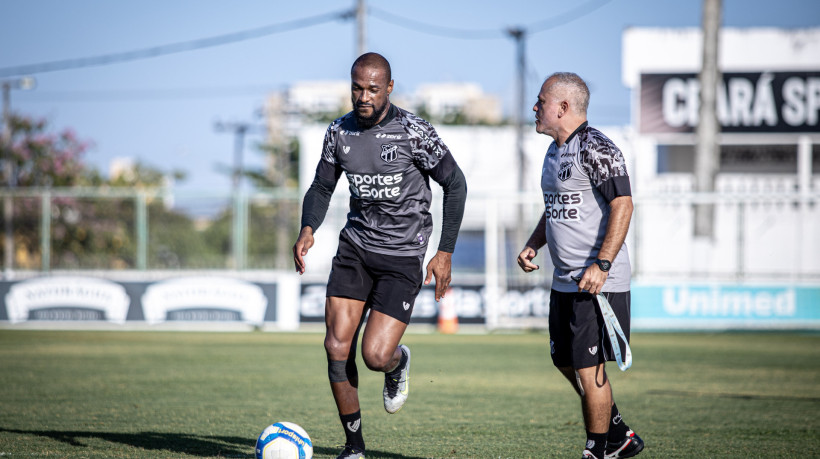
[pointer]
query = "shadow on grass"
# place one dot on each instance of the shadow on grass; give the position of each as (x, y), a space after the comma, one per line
(684, 393)
(371, 453)
(194, 445)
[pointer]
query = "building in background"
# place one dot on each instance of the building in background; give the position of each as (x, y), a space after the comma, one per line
(768, 107)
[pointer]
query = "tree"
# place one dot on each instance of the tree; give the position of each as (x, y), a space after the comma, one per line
(42, 159)
(87, 230)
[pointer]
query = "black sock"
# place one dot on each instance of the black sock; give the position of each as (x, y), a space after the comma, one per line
(402, 362)
(617, 426)
(596, 444)
(352, 424)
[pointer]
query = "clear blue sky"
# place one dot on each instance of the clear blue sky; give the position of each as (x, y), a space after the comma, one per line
(161, 110)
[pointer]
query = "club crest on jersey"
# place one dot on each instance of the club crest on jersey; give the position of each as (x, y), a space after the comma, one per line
(565, 171)
(389, 152)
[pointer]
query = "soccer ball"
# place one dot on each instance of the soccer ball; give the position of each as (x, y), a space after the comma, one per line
(284, 440)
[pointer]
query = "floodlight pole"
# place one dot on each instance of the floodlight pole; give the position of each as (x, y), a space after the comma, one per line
(23, 83)
(238, 243)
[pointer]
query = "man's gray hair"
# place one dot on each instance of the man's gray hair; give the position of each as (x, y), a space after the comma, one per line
(575, 89)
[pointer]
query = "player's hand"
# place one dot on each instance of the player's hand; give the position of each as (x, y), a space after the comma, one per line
(300, 249)
(440, 267)
(525, 259)
(592, 280)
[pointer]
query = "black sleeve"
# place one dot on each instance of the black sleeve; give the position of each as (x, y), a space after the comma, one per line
(317, 197)
(614, 187)
(455, 196)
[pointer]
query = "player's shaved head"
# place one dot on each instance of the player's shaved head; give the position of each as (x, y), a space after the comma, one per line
(373, 60)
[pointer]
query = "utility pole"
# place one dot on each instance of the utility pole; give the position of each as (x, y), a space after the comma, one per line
(519, 34)
(361, 27)
(707, 149)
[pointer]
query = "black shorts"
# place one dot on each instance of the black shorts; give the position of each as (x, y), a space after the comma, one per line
(389, 284)
(578, 337)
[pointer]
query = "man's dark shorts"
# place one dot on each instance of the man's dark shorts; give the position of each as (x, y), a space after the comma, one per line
(389, 284)
(578, 337)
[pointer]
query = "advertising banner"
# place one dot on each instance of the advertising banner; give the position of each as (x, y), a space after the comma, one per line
(725, 306)
(746, 102)
(184, 299)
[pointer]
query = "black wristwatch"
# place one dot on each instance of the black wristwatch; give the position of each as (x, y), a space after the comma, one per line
(603, 264)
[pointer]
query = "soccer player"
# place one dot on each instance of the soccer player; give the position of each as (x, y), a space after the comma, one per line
(388, 156)
(588, 206)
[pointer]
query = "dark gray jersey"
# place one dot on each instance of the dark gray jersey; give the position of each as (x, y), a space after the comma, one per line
(388, 167)
(578, 180)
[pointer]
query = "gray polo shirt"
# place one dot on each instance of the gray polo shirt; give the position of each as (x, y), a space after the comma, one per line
(578, 181)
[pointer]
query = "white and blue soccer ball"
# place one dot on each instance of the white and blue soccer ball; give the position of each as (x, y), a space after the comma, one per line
(284, 440)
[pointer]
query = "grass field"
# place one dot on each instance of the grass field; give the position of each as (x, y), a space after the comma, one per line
(185, 394)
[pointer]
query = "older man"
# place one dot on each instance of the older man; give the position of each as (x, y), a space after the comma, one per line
(588, 206)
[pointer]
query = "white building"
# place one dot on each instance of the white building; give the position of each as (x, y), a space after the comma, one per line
(768, 108)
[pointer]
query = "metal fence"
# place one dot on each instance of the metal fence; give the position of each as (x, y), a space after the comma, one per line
(146, 229)
(758, 236)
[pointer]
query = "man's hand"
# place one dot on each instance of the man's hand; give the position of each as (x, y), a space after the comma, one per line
(593, 280)
(300, 249)
(525, 259)
(440, 267)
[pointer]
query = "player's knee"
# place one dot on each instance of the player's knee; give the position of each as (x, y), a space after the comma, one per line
(377, 361)
(335, 349)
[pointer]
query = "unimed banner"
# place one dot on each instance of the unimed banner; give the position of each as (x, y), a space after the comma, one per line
(186, 298)
(725, 306)
(746, 102)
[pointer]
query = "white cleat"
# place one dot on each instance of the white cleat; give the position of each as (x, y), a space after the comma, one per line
(397, 385)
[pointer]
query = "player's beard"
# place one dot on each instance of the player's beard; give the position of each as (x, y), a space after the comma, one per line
(367, 122)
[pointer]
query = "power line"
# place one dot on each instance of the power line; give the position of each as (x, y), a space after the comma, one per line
(162, 50)
(566, 17)
(450, 32)
(124, 95)
(487, 34)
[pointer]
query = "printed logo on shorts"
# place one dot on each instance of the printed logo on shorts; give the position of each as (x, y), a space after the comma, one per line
(346, 149)
(552, 347)
(593, 350)
(389, 152)
(565, 171)
(405, 305)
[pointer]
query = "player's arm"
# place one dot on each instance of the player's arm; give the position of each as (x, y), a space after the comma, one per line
(607, 170)
(537, 239)
(314, 209)
(454, 185)
(620, 214)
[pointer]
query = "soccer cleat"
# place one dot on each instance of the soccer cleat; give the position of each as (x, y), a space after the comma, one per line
(397, 385)
(630, 446)
(588, 455)
(351, 453)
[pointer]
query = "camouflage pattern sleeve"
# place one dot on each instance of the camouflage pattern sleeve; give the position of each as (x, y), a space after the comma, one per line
(426, 145)
(600, 158)
(329, 144)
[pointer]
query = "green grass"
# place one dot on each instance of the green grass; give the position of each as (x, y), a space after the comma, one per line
(166, 394)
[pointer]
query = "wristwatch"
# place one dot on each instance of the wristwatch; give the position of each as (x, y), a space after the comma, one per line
(603, 264)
